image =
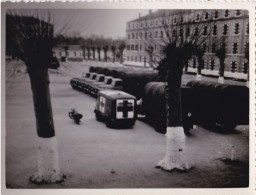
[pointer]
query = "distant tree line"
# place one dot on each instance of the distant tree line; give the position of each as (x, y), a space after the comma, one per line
(95, 44)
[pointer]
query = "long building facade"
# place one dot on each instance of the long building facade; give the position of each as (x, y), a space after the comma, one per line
(147, 35)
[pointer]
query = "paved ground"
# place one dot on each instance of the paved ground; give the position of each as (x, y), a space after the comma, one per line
(93, 156)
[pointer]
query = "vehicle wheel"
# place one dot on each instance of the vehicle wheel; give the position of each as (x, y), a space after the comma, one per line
(229, 126)
(70, 115)
(109, 123)
(97, 116)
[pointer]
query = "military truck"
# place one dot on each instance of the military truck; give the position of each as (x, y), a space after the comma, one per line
(116, 84)
(99, 78)
(107, 81)
(116, 108)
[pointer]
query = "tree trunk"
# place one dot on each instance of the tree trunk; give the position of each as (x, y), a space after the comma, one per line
(48, 164)
(93, 53)
(221, 72)
(199, 68)
(175, 137)
(106, 56)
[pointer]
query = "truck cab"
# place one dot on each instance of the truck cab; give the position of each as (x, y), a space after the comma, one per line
(116, 84)
(99, 79)
(116, 108)
(107, 81)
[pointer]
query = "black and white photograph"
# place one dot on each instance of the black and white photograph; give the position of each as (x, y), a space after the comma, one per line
(127, 98)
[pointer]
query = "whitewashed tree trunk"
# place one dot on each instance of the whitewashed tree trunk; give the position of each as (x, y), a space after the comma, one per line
(221, 80)
(198, 77)
(48, 169)
(175, 156)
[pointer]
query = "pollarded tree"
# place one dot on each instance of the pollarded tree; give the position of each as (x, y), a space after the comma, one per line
(150, 51)
(32, 41)
(105, 49)
(178, 48)
(93, 48)
(99, 50)
(199, 53)
(83, 47)
(66, 52)
(221, 54)
(113, 49)
(121, 47)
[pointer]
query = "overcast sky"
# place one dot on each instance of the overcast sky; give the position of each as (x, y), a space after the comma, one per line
(109, 23)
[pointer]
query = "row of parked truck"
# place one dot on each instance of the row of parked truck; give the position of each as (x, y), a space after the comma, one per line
(203, 103)
(92, 83)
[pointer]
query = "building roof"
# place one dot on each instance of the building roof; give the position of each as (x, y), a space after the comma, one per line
(161, 13)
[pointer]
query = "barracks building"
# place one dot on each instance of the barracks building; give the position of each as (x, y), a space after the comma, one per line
(146, 37)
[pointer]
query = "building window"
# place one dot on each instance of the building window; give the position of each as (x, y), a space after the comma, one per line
(132, 58)
(188, 32)
(132, 47)
(146, 24)
(181, 19)
(197, 17)
(135, 58)
(146, 35)
(128, 58)
(150, 35)
(196, 31)
(205, 31)
(245, 67)
(236, 30)
(214, 30)
(247, 28)
(162, 34)
(173, 32)
(212, 64)
(136, 47)
(226, 14)
(181, 32)
(235, 48)
(128, 47)
(156, 34)
(216, 14)
(141, 24)
(238, 12)
(136, 35)
(133, 36)
(225, 29)
(156, 22)
(206, 17)
(213, 48)
(140, 47)
(128, 35)
(175, 20)
(204, 47)
(140, 58)
(233, 66)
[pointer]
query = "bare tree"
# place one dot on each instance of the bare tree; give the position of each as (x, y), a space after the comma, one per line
(105, 49)
(221, 54)
(93, 48)
(32, 40)
(113, 49)
(99, 50)
(179, 44)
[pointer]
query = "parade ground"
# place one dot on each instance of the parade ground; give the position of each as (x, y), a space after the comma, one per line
(93, 156)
